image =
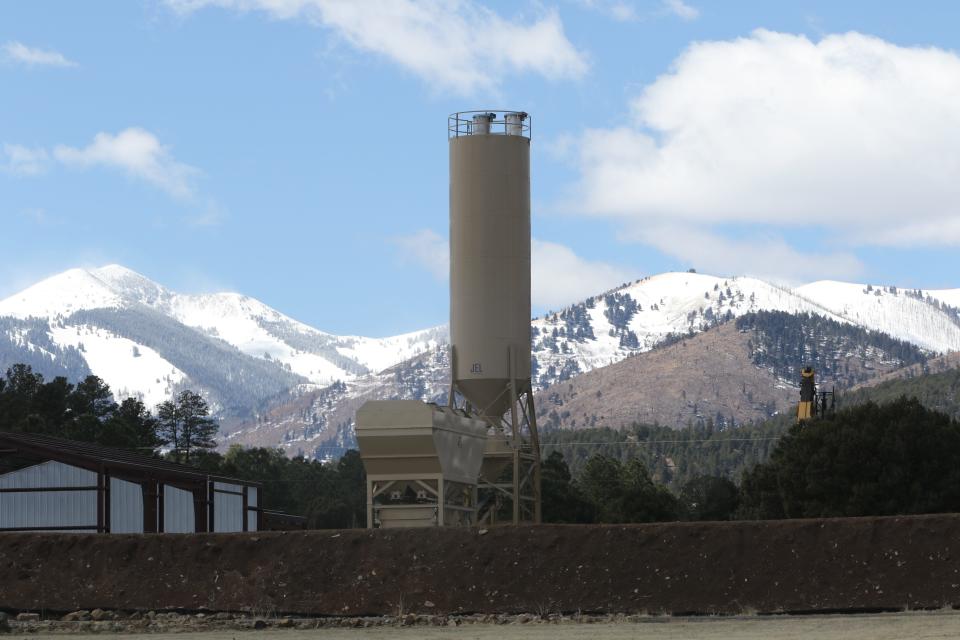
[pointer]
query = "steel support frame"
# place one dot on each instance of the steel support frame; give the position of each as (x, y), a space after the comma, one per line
(103, 500)
(379, 484)
(521, 429)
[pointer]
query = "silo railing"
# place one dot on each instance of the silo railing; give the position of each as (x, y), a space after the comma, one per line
(489, 122)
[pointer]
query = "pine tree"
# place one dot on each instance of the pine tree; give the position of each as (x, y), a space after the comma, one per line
(184, 422)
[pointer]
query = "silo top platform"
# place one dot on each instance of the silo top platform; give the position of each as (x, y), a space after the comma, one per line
(409, 438)
(489, 122)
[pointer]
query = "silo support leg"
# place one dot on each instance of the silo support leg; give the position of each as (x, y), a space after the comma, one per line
(369, 503)
(441, 511)
(515, 432)
(453, 368)
(535, 445)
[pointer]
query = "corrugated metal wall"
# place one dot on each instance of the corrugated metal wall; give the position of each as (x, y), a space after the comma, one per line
(178, 514)
(252, 501)
(227, 507)
(48, 508)
(126, 507)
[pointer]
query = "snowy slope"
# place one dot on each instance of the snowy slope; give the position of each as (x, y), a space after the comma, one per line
(635, 318)
(947, 296)
(322, 358)
(900, 313)
(262, 332)
(132, 367)
(61, 295)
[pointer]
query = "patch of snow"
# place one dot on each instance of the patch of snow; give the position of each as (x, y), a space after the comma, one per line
(947, 296)
(131, 370)
(378, 354)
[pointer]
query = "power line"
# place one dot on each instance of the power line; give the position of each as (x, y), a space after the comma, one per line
(648, 442)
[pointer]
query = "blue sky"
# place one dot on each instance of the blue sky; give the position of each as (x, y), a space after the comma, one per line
(295, 150)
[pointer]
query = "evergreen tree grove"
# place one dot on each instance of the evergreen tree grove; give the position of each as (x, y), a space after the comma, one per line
(185, 423)
(898, 458)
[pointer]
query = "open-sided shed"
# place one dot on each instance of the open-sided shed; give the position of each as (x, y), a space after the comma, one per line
(65, 485)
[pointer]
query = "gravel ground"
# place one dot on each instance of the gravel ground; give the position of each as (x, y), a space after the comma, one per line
(914, 625)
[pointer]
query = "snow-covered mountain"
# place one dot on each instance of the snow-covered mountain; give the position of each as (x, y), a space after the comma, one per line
(250, 359)
(636, 317)
(146, 340)
(608, 328)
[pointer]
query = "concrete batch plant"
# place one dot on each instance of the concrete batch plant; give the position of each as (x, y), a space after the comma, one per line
(476, 460)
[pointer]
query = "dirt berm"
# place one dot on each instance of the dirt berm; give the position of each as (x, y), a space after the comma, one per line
(854, 564)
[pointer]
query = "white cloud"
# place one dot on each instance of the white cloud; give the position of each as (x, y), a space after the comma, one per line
(24, 161)
(212, 215)
(38, 216)
(139, 154)
(428, 249)
(456, 45)
(849, 138)
(617, 9)
(627, 11)
(763, 255)
(681, 9)
(558, 275)
(19, 52)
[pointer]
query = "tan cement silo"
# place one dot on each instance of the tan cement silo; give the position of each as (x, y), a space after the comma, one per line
(490, 257)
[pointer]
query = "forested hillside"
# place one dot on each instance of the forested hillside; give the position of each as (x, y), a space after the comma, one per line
(676, 456)
(784, 342)
(673, 456)
(894, 458)
(28, 342)
(734, 373)
(937, 391)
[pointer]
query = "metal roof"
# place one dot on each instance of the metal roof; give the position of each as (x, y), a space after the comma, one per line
(95, 456)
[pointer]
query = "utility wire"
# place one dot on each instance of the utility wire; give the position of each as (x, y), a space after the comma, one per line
(647, 442)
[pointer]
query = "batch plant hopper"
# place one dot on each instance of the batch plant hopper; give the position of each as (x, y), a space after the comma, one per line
(422, 463)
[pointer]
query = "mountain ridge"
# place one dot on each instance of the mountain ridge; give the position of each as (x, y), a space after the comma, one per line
(116, 323)
(250, 328)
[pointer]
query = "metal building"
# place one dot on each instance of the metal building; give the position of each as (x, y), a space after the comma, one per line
(63, 485)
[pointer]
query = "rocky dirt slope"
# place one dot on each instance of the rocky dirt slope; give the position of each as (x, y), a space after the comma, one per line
(708, 376)
(851, 564)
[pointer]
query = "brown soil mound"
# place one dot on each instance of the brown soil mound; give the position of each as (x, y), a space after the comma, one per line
(775, 566)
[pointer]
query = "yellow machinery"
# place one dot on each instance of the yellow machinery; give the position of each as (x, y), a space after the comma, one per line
(813, 403)
(808, 393)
